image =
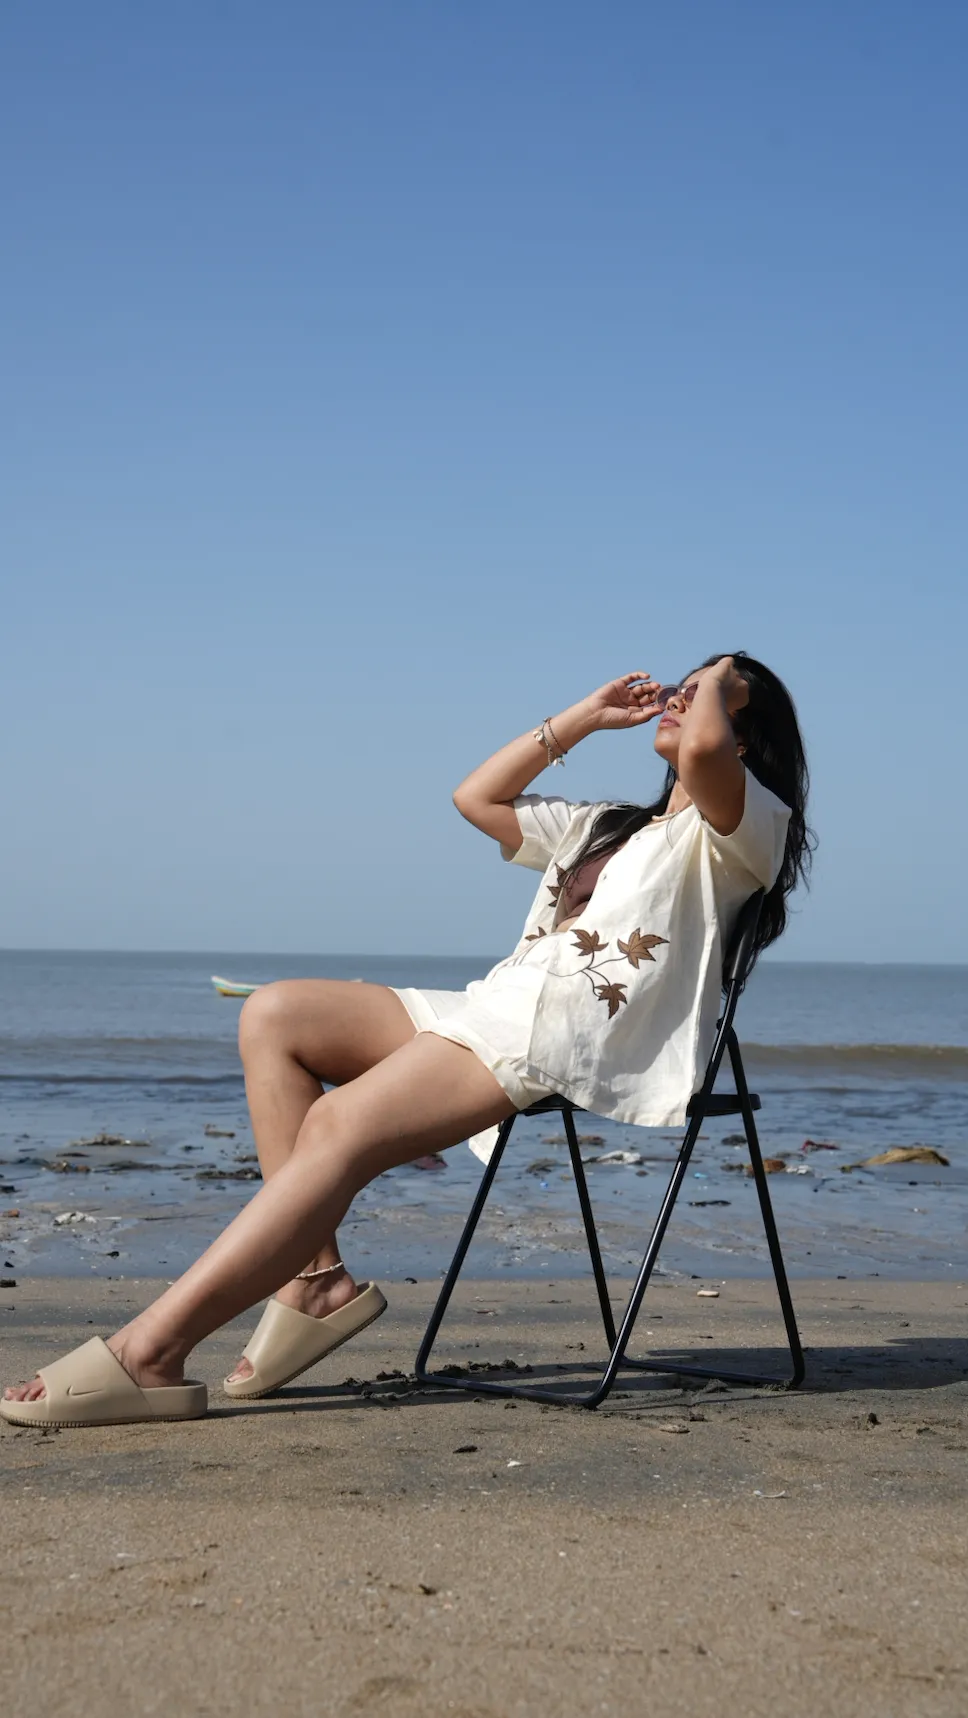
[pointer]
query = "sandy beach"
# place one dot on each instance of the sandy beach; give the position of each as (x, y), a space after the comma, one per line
(356, 1546)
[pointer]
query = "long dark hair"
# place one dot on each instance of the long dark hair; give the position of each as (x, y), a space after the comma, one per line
(767, 726)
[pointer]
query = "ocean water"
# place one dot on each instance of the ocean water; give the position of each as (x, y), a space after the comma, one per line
(141, 1049)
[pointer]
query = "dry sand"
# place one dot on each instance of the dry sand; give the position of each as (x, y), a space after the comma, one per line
(425, 1555)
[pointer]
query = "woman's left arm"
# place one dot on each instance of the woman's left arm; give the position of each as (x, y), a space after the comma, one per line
(710, 766)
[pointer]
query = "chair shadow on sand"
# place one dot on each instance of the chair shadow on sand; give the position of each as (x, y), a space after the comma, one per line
(900, 1363)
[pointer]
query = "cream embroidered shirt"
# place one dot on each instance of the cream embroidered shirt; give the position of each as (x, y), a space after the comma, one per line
(626, 1000)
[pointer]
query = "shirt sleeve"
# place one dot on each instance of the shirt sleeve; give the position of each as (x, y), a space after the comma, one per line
(543, 824)
(757, 845)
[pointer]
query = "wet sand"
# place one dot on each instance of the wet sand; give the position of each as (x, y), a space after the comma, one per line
(358, 1547)
(906, 1219)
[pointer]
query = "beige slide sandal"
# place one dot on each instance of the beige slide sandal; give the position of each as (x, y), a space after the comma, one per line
(287, 1342)
(89, 1387)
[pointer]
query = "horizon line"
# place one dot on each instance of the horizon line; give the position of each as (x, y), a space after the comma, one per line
(356, 954)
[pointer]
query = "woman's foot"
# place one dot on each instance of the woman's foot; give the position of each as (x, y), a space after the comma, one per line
(151, 1365)
(315, 1296)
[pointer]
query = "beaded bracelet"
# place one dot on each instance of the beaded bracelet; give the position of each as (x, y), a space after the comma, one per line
(558, 755)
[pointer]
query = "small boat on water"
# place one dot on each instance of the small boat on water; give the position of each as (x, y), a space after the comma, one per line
(226, 987)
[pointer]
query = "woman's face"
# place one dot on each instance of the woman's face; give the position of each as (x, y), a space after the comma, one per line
(674, 721)
(675, 718)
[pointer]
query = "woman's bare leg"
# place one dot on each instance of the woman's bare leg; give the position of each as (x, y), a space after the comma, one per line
(297, 1034)
(293, 1036)
(426, 1096)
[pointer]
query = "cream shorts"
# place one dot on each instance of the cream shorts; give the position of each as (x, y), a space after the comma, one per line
(500, 1041)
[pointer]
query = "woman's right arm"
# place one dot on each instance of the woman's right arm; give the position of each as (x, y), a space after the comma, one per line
(486, 797)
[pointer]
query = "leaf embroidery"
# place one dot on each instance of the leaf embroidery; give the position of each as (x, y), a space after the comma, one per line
(639, 947)
(636, 947)
(613, 994)
(540, 932)
(588, 942)
(554, 889)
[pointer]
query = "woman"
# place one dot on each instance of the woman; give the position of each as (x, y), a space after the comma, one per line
(610, 998)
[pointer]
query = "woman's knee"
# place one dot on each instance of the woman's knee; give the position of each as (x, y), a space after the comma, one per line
(268, 1016)
(324, 1134)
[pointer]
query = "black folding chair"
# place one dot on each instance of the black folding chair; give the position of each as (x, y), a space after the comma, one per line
(704, 1103)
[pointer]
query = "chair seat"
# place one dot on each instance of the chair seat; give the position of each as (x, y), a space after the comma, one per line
(544, 1106)
(720, 1104)
(724, 1104)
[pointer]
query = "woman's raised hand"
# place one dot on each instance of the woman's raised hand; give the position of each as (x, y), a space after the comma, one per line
(624, 703)
(734, 688)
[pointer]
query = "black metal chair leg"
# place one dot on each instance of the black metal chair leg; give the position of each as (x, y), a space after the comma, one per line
(591, 1233)
(619, 1339)
(590, 1398)
(766, 1210)
(618, 1356)
(773, 1242)
(480, 1386)
(480, 1200)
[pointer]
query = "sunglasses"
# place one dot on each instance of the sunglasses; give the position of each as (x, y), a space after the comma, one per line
(686, 693)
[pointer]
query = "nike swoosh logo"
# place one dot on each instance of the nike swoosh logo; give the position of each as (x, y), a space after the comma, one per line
(72, 1392)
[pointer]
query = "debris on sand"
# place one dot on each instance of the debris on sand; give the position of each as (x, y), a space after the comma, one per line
(64, 1166)
(908, 1154)
(113, 1139)
(455, 1370)
(212, 1132)
(819, 1145)
(772, 1165)
(67, 1217)
(899, 1154)
(616, 1157)
(228, 1175)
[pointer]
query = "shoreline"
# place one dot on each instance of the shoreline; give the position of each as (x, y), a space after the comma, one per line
(355, 1546)
(888, 1223)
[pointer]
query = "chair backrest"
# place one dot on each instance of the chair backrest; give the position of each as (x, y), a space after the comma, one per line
(740, 954)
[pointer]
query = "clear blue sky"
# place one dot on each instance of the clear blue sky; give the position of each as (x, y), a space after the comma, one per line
(380, 377)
